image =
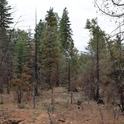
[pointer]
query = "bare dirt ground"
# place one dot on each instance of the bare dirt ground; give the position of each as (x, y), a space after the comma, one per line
(64, 113)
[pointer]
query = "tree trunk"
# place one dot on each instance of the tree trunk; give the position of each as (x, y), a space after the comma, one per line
(57, 76)
(97, 70)
(122, 99)
(33, 96)
(1, 93)
(36, 60)
(52, 100)
(69, 76)
(19, 95)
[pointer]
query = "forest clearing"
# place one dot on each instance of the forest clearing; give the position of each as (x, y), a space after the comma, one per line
(88, 112)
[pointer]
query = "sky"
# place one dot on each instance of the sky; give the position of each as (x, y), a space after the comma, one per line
(79, 12)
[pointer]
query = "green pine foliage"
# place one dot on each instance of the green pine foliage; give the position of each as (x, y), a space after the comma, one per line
(39, 32)
(66, 33)
(5, 14)
(95, 33)
(21, 51)
(5, 21)
(50, 48)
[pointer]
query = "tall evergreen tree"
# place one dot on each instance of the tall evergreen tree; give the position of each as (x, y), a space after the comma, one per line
(39, 35)
(5, 20)
(39, 31)
(96, 47)
(5, 15)
(50, 49)
(38, 39)
(21, 60)
(66, 42)
(66, 33)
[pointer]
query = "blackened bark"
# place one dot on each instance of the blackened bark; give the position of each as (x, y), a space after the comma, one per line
(19, 95)
(69, 76)
(97, 70)
(57, 76)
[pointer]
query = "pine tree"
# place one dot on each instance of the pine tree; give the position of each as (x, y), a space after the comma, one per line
(5, 15)
(21, 58)
(66, 42)
(39, 32)
(5, 20)
(50, 52)
(96, 47)
(50, 49)
(66, 33)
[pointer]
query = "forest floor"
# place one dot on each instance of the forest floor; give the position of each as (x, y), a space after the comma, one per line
(65, 112)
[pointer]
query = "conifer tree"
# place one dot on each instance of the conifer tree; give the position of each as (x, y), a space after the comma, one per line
(39, 34)
(21, 58)
(96, 47)
(66, 33)
(5, 20)
(5, 15)
(66, 42)
(50, 49)
(39, 31)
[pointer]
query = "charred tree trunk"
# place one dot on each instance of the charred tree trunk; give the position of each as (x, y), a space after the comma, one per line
(1, 94)
(122, 100)
(69, 76)
(19, 95)
(57, 76)
(33, 95)
(8, 87)
(36, 70)
(36, 60)
(52, 100)
(97, 70)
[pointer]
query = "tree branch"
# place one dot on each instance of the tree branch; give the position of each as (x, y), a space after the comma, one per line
(117, 28)
(117, 34)
(117, 4)
(112, 15)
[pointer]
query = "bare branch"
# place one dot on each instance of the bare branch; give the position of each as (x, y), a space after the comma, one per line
(117, 34)
(18, 21)
(117, 4)
(117, 28)
(112, 15)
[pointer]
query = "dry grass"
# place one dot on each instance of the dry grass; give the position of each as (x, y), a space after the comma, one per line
(65, 113)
